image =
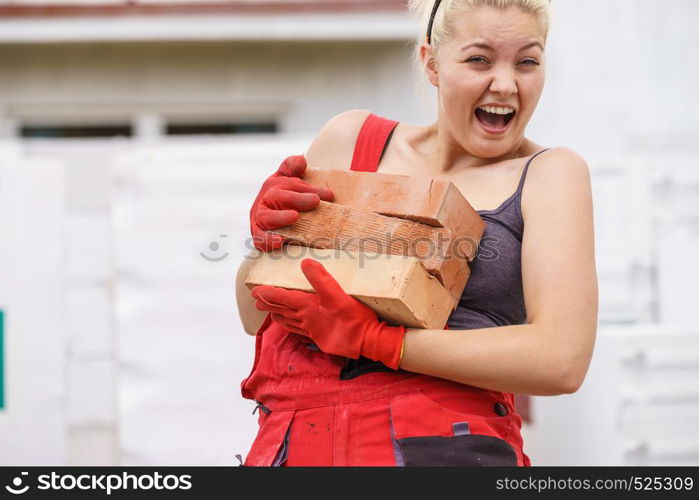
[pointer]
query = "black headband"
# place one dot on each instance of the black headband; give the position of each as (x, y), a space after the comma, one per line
(429, 26)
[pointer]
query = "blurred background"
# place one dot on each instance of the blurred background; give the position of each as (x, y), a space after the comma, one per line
(135, 135)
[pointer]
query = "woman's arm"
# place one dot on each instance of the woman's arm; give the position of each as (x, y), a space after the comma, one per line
(249, 315)
(332, 149)
(550, 354)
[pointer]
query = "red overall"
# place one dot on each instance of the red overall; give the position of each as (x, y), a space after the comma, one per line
(315, 409)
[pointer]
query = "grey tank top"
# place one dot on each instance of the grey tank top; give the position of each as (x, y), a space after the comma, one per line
(494, 295)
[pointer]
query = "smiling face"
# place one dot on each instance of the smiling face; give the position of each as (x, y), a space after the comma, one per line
(490, 75)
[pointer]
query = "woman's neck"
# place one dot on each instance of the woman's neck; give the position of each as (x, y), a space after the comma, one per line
(445, 154)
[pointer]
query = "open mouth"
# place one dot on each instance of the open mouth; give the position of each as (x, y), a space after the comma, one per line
(494, 119)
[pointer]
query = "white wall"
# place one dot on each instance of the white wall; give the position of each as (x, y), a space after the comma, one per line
(32, 227)
(638, 405)
(621, 77)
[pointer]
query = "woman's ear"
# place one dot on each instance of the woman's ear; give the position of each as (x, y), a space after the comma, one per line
(429, 63)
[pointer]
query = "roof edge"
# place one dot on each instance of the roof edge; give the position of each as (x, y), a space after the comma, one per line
(202, 8)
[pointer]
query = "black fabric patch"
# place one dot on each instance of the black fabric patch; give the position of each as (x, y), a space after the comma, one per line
(356, 367)
(464, 450)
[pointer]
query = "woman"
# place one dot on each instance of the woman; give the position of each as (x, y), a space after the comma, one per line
(526, 321)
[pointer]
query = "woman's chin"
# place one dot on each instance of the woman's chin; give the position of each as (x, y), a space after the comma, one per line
(492, 149)
(486, 144)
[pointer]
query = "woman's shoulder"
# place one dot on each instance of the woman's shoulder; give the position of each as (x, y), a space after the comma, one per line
(558, 164)
(558, 174)
(333, 147)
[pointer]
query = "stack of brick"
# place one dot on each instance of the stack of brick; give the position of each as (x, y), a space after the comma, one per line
(397, 243)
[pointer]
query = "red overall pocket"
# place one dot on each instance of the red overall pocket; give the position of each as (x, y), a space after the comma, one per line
(426, 433)
(269, 447)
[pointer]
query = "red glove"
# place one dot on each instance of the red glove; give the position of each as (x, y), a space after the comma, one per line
(335, 321)
(279, 201)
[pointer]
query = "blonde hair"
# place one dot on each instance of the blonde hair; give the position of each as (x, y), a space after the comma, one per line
(442, 24)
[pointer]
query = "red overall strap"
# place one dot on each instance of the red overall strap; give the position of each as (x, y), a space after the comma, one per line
(371, 142)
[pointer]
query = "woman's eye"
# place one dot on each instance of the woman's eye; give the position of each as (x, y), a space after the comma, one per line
(530, 62)
(476, 59)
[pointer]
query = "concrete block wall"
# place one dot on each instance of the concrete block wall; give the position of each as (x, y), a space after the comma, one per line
(637, 407)
(32, 251)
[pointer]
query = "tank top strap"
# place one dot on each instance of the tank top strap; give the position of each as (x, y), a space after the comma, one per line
(371, 143)
(518, 229)
(524, 173)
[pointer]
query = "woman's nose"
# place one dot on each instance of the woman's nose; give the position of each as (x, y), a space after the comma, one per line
(504, 83)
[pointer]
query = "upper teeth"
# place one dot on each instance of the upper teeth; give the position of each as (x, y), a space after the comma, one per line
(497, 110)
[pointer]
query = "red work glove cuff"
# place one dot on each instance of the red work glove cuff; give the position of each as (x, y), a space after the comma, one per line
(385, 345)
